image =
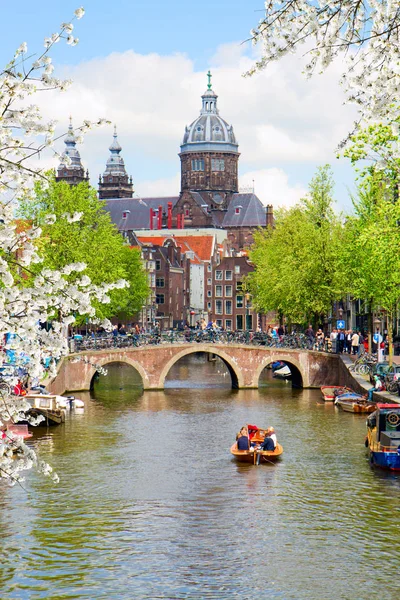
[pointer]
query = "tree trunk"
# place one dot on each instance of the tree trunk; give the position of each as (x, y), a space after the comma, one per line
(370, 328)
(390, 336)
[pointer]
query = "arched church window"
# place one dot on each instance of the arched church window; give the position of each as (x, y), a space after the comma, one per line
(197, 164)
(217, 164)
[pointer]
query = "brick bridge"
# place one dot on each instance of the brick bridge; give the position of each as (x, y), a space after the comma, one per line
(153, 363)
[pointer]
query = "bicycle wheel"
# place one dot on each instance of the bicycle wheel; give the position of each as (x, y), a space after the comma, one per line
(362, 369)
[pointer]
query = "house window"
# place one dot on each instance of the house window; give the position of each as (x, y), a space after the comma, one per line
(218, 275)
(186, 212)
(208, 305)
(197, 164)
(209, 281)
(217, 164)
(209, 268)
(239, 286)
(160, 298)
(218, 307)
(228, 275)
(228, 307)
(219, 322)
(160, 282)
(218, 291)
(158, 264)
(237, 210)
(239, 322)
(239, 301)
(228, 291)
(237, 269)
(228, 324)
(125, 214)
(152, 280)
(209, 294)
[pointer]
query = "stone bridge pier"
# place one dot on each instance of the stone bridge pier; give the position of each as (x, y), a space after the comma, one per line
(153, 363)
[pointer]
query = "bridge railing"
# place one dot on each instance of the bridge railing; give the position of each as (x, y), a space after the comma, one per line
(294, 341)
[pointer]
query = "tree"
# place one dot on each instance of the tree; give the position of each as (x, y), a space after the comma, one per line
(366, 34)
(76, 228)
(295, 263)
(369, 258)
(23, 308)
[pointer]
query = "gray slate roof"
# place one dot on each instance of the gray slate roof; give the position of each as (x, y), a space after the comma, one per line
(252, 212)
(138, 216)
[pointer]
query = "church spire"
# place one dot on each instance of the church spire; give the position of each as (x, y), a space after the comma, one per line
(115, 182)
(70, 168)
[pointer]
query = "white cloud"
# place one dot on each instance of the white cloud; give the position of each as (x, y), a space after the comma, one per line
(279, 118)
(272, 187)
(159, 187)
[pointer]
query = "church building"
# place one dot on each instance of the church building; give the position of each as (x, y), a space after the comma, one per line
(209, 196)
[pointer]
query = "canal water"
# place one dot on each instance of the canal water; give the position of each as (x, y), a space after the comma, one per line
(150, 504)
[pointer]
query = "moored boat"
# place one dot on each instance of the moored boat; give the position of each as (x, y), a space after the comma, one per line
(46, 405)
(356, 406)
(283, 372)
(383, 437)
(18, 430)
(330, 392)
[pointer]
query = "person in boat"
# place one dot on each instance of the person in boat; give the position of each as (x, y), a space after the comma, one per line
(243, 442)
(272, 435)
(268, 443)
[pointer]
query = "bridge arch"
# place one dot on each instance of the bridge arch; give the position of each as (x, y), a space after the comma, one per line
(234, 369)
(104, 361)
(298, 375)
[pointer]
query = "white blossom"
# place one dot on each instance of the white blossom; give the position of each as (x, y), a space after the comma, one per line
(50, 296)
(366, 34)
(79, 12)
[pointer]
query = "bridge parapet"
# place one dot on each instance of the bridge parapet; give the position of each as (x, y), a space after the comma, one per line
(245, 364)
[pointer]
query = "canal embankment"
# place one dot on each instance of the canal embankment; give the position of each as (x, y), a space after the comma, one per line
(361, 383)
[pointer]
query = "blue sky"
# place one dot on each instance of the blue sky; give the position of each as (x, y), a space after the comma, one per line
(143, 65)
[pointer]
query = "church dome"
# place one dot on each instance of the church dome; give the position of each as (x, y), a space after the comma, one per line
(209, 132)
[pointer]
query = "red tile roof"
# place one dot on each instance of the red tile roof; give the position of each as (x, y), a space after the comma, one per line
(202, 245)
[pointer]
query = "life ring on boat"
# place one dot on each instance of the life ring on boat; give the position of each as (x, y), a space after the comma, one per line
(393, 418)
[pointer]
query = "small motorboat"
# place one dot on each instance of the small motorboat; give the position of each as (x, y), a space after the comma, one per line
(45, 405)
(330, 392)
(253, 455)
(69, 402)
(358, 406)
(383, 437)
(278, 364)
(18, 430)
(283, 372)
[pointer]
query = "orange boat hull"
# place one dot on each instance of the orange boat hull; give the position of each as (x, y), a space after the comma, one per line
(256, 456)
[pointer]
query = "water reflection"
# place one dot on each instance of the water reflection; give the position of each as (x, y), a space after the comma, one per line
(151, 505)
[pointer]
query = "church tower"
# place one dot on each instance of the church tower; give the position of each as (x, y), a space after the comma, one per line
(72, 170)
(209, 153)
(115, 182)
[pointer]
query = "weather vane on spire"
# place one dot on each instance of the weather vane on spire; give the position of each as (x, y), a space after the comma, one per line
(209, 80)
